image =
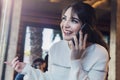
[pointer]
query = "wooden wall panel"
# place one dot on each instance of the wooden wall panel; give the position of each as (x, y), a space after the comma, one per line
(118, 42)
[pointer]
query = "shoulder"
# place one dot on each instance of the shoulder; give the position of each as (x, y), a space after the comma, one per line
(101, 51)
(59, 47)
(98, 51)
(95, 56)
(59, 44)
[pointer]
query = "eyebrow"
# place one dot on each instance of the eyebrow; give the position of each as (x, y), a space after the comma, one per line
(72, 17)
(75, 18)
(63, 15)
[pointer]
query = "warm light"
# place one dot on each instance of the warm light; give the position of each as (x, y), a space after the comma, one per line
(54, 1)
(98, 3)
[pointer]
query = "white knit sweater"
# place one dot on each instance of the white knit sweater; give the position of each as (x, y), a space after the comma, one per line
(92, 65)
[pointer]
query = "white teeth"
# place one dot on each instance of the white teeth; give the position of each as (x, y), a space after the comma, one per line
(68, 32)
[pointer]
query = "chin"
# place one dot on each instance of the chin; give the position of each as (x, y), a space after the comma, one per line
(67, 39)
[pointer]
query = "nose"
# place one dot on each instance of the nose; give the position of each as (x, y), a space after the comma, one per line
(67, 24)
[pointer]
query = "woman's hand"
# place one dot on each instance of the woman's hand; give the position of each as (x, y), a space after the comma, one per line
(79, 47)
(16, 65)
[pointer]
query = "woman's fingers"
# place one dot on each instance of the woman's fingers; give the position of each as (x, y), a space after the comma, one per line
(15, 63)
(84, 41)
(76, 42)
(8, 63)
(79, 43)
(17, 67)
(71, 45)
(14, 60)
(80, 38)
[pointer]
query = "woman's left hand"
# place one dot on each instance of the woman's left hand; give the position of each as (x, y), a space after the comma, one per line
(79, 47)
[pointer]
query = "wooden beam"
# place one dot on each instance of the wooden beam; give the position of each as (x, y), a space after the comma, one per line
(4, 33)
(13, 25)
(118, 42)
(112, 64)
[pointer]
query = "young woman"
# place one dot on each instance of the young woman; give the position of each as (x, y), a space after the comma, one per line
(77, 57)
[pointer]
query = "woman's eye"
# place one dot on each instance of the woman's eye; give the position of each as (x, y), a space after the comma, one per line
(63, 18)
(75, 21)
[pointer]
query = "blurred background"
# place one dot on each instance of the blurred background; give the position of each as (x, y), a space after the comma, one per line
(29, 27)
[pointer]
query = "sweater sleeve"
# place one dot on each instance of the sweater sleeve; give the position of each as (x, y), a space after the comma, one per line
(33, 74)
(97, 72)
(92, 66)
(77, 73)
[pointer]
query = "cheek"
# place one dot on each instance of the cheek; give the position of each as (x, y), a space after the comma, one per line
(76, 28)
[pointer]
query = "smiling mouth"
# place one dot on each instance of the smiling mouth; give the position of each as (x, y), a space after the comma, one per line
(67, 32)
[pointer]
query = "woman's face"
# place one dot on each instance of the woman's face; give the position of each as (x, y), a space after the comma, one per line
(70, 24)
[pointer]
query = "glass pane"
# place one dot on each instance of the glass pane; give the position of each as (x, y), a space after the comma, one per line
(46, 37)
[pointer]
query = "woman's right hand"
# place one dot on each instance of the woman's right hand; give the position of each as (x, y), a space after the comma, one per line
(16, 65)
(78, 47)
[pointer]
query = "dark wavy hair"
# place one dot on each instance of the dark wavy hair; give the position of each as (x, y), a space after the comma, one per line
(87, 16)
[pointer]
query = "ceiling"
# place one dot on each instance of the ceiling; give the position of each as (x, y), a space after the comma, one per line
(54, 7)
(57, 5)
